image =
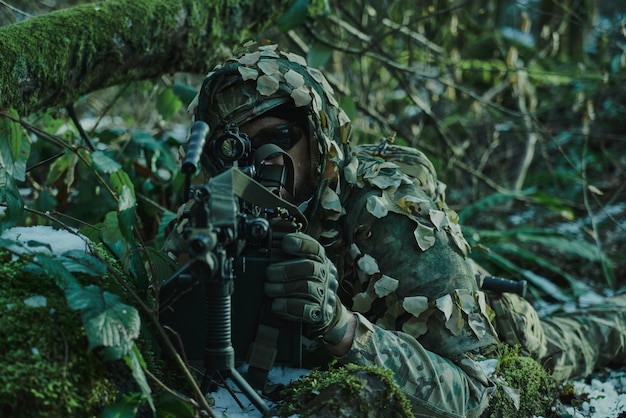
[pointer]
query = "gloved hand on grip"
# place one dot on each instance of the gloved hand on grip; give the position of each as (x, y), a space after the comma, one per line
(304, 289)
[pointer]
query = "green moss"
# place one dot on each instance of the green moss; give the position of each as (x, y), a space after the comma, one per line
(46, 368)
(535, 386)
(53, 59)
(350, 390)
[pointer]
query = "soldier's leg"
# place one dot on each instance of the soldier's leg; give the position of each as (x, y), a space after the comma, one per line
(569, 345)
(586, 339)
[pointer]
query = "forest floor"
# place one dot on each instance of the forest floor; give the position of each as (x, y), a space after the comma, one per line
(602, 395)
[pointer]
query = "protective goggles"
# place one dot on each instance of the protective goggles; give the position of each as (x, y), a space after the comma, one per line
(285, 136)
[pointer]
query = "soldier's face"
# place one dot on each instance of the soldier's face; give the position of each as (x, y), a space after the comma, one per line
(299, 153)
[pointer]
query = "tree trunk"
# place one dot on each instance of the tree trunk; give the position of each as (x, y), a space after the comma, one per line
(53, 59)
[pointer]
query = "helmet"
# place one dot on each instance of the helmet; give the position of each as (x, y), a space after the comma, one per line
(268, 81)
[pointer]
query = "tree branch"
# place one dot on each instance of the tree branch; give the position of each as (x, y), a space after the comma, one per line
(53, 59)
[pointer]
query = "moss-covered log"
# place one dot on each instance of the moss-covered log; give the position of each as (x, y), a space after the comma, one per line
(55, 58)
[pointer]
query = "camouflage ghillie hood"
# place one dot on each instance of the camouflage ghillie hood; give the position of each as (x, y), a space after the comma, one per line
(251, 84)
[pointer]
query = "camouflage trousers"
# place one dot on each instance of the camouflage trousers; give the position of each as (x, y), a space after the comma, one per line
(568, 344)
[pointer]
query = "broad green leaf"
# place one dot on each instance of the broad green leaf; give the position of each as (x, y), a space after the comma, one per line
(135, 362)
(65, 164)
(318, 55)
(14, 147)
(126, 214)
(107, 320)
(168, 103)
(295, 16)
(55, 270)
(184, 92)
(82, 262)
(138, 270)
(110, 231)
(160, 150)
(565, 245)
(348, 105)
(51, 122)
(487, 202)
(103, 163)
(167, 217)
(13, 212)
(126, 199)
(119, 179)
(170, 406)
(161, 265)
(552, 202)
(126, 407)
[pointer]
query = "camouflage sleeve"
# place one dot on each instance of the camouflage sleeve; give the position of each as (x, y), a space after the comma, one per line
(435, 386)
(421, 313)
(407, 271)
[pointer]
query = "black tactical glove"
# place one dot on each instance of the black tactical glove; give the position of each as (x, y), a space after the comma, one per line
(304, 289)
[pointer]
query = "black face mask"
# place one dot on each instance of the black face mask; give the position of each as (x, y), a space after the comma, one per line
(285, 136)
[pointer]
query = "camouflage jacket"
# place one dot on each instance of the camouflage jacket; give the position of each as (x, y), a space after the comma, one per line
(403, 262)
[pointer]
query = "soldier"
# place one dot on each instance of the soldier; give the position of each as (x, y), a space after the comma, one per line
(400, 291)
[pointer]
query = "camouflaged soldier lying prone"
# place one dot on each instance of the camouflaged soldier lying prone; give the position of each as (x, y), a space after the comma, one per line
(400, 292)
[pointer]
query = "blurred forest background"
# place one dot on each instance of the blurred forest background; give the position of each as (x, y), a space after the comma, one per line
(520, 105)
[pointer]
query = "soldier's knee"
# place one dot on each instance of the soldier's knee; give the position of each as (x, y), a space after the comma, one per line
(517, 322)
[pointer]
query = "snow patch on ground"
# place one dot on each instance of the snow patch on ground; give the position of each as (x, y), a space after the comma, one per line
(604, 396)
(43, 239)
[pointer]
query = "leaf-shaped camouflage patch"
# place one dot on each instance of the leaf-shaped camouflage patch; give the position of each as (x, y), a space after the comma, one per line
(376, 205)
(412, 204)
(415, 305)
(330, 200)
(294, 79)
(415, 327)
(248, 73)
(455, 323)
(269, 51)
(268, 67)
(350, 170)
(477, 323)
(362, 302)
(301, 96)
(425, 236)
(250, 59)
(467, 301)
(267, 84)
(368, 265)
(454, 230)
(385, 285)
(384, 181)
(298, 59)
(446, 305)
(317, 101)
(438, 218)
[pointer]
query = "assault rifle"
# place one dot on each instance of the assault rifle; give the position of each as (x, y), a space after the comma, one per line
(233, 228)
